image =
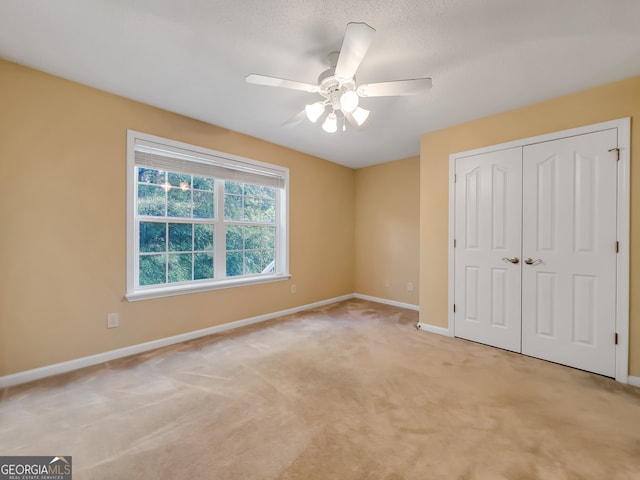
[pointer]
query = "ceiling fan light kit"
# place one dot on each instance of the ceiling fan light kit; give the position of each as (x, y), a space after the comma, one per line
(314, 111)
(349, 101)
(338, 84)
(360, 115)
(330, 125)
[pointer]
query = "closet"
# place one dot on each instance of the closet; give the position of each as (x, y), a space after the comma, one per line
(535, 254)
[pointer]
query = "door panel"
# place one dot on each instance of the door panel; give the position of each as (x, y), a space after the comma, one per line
(569, 225)
(546, 305)
(488, 228)
(546, 182)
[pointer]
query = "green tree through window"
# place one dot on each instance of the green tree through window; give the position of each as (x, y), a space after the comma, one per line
(173, 251)
(250, 213)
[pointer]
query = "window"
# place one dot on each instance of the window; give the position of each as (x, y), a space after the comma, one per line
(201, 220)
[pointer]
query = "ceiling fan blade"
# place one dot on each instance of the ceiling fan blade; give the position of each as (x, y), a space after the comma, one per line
(413, 86)
(295, 120)
(256, 79)
(357, 39)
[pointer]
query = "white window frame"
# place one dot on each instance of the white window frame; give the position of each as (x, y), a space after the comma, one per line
(214, 159)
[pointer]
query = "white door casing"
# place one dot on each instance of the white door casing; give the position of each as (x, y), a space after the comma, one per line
(488, 237)
(569, 231)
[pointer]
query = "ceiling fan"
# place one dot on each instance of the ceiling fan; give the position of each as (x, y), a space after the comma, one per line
(338, 87)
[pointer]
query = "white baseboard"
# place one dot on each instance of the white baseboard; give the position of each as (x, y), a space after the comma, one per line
(63, 367)
(433, 329)
(393, 303)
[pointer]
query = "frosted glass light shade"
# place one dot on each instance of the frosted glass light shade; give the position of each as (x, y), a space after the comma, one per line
(360, 115)
(349, 101)
(314, 111)
(330, 125)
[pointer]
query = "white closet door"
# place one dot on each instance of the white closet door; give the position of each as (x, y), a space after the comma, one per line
(569, 235)
(488, 211)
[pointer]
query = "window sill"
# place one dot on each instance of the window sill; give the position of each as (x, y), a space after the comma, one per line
(150, 293)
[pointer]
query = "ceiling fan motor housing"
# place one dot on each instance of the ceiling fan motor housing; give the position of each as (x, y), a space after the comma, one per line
(332, 89)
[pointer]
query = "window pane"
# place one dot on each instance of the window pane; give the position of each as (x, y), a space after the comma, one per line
(251, 209)
(202, 204)
(234, 238)
(234, 264)
(233, 207)
(179, 203)
(180, 237)
(151, 200)
(203, 266)
(180, 180)
(203, 183)
(180, 267)
(153, 237)
(268, 211)
(269, 237)
(232, 187)
(252, 237)
(149, 175)
(252, 190)
(268, 260)
(269, 192)
(203, 237)
(152, 269)
(253, 261)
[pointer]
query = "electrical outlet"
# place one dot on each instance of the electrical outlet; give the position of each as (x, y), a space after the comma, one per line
(113, 320)
(294, 289)
(410, 286)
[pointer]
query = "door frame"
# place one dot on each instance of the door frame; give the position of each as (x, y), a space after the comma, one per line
(623, 225)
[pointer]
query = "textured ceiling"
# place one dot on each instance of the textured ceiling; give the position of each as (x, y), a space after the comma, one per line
(191, 57)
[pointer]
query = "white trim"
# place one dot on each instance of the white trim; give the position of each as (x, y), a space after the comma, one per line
(634, 381)
(547, 137)
(131, 200)
(205, 287)
(622, 270)
(63, 367)
(385, 301)
(623, 125)
(452, 253)
(433, 329)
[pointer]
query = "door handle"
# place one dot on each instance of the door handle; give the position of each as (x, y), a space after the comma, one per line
(512, 260)
(531, 261)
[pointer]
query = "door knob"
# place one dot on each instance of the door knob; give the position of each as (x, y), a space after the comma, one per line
(531, 261)
(512, 260)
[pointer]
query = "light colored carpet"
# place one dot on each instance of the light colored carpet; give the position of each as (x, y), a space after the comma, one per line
(348, 391)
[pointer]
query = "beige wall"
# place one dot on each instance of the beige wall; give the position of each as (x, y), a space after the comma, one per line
(616, 100)
(62, 224)
(387, 224)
